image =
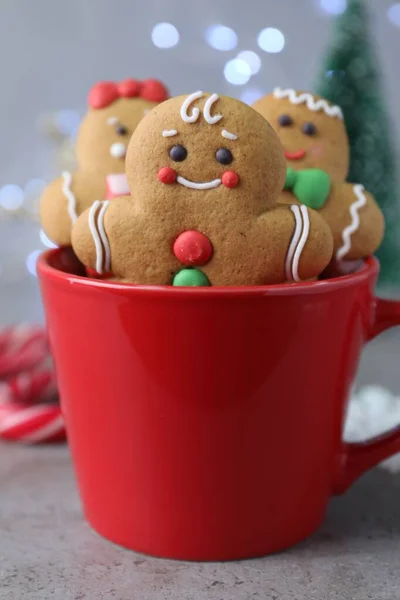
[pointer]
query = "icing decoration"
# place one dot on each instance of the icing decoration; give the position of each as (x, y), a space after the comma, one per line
(206, 185)
(169, 132)
(96, 226)
(295, 155)
(355, 220)
(297, 243)
(118, 150)
(106, 92)
(185, 106)
(190, 278)
(229, 136)
(310, 186)
(166, 175)
(193, 248)
(211, 120)
(230, 179)
(309, 101)
(117, 185)
(66, 190)
(112, 120)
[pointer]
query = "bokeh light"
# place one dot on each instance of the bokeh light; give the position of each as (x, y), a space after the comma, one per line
(67, 122)
(165, 35)
(251, 94)
(11, 197)
(271, 40)
(252, 59)
(33, 188)
(393, 14)
(237, 71)
(333, 7)
(31, 261)
(221, 37)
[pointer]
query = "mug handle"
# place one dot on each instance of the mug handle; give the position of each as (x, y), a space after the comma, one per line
(358, 457)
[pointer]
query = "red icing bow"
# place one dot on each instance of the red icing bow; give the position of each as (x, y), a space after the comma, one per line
(106, 92)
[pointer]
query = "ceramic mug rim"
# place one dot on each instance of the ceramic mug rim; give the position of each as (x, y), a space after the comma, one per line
(46, 271)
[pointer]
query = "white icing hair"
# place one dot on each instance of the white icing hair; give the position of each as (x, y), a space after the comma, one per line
(194, 115)
(309, 100)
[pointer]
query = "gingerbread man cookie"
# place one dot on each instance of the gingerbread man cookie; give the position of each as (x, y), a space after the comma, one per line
(205, 173)
(316, 148)
(115, 109)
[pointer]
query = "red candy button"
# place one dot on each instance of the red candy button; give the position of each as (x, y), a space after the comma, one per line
(230, 179)
(193, 248)
(166, 175)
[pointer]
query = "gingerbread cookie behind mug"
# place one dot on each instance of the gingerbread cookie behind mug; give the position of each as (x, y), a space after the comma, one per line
(205, 173)
(114, 112)
(316, 148)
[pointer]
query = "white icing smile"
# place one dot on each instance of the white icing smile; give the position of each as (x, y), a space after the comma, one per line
(118, 150)
(194, 185)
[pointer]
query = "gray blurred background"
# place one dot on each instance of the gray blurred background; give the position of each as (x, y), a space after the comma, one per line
(52, 52)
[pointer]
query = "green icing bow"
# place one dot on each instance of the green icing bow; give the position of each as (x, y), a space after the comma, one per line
(310, 186)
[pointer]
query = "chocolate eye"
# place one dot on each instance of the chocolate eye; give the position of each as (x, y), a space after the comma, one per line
(309, 129)
(121, 130)
(178, 153)
(224, 156)
(285, 120)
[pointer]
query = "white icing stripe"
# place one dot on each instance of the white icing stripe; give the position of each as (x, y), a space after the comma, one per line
(229, 136)
(99, 236)
(301, 244)
(185, 106)
(103, 236)
(112, 120)
(207, 108)
(355, 220)
(169, 132)
(296, 236)
(66, 190)
(309, 100)
(95, 236)
(198, 186)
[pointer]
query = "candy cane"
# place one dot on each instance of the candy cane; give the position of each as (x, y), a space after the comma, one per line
(27, 384)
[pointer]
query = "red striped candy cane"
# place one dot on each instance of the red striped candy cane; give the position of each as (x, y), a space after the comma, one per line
(27, 385)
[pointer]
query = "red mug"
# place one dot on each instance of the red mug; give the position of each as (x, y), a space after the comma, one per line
(206, 423)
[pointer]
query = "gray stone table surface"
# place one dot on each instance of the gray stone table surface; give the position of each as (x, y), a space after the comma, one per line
(47, 551)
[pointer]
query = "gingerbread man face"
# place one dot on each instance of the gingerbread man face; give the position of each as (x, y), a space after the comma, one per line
(114, 113)
(208, 150)
(311, 130)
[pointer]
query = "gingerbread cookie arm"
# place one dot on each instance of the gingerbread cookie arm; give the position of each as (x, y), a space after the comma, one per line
(299, 243)
(310, 245)
(355, 220)
(64, 199)
(90, 239)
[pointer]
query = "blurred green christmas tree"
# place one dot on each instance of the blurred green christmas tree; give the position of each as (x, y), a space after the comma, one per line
(351, 79)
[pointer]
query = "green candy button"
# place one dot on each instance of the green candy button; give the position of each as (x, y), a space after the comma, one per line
(190, 277)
